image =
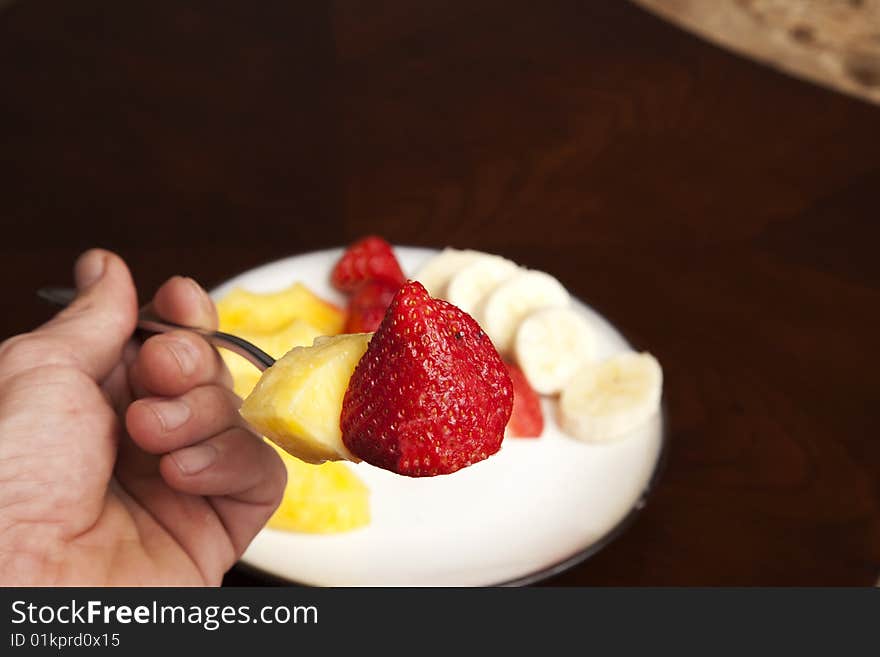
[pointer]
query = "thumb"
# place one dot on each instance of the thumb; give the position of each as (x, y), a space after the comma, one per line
(96, 326)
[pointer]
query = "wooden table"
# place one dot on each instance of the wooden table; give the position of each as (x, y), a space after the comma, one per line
(722, 215)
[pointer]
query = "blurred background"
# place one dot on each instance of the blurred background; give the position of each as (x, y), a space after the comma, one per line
(705, 174)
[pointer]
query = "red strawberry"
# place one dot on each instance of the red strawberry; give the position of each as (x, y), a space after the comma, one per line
(367, 306)
(431, 395)
(368, 259)
(527, 418)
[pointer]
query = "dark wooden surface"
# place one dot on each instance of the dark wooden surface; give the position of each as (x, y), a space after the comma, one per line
(722, 215)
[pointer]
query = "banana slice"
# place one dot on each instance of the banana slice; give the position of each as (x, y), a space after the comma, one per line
(605, 401)
(509, 303)
(475, 281)
(437, 272)
(551, 345)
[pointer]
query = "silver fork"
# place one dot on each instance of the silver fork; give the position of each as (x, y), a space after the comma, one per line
(147, 321)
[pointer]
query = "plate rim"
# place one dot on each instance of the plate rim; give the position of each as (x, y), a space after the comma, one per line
(546, 572)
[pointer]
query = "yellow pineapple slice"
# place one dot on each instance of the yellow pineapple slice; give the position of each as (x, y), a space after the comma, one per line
(321, 499)
(298, 333)
(297, 402)
(242, 310)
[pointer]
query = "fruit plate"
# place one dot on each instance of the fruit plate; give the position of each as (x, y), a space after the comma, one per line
(534, 509)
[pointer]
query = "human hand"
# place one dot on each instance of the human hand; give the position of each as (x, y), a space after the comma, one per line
(120, 463)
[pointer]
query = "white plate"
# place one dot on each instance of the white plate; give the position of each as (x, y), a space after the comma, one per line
(533, 509)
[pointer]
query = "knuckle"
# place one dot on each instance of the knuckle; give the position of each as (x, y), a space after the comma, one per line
(112, 318)
(23, 350)
(118, 320)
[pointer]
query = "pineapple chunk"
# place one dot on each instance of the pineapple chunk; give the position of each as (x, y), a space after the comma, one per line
(298, 333)
(321, 499)
(242, 310)
(297, 402)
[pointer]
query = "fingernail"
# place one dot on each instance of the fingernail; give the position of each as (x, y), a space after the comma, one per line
(204, 300)
(89, 268)
(192, 460)
(172, 413)
(185, 355)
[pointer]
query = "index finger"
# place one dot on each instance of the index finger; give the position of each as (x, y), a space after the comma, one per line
(183, 301)
(172, 363)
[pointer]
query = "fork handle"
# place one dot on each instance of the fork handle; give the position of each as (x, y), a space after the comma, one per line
(63, 296)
